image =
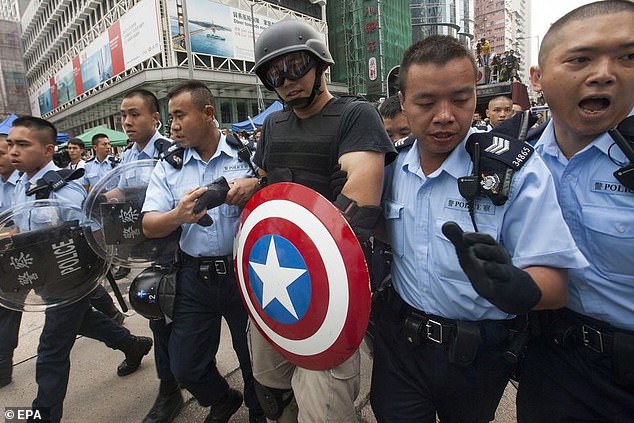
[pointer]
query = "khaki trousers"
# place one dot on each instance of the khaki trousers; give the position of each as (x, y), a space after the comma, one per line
(322, 396)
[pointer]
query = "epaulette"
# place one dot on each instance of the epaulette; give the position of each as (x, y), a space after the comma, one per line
(92, 159)
(169, 151)
(496, 156)
(114, 161)
(404, 143)
(53, 180)
(501, 148)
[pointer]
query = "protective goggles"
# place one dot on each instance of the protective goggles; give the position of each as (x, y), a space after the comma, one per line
(292, 66)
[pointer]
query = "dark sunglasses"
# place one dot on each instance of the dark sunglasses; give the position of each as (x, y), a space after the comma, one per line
(293, 67)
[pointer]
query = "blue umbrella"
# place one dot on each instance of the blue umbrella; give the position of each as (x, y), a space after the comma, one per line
(258, 120)
(6, 124)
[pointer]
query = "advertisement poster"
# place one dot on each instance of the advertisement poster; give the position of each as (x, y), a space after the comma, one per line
(65, 80)
(217, 29)
(127, 42)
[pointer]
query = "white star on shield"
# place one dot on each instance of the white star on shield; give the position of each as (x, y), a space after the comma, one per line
(276, 279)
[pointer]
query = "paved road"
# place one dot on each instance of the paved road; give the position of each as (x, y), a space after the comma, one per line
(97, 395)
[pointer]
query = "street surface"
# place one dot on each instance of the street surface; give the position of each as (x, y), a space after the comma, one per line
(97, 395)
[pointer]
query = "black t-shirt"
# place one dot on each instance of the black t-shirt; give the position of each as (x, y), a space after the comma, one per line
(360, 129)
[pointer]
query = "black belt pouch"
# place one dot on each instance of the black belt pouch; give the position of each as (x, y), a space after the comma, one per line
(623, 359)
(463, 349)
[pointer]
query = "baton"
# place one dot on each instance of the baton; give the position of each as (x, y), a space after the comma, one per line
(116, 290)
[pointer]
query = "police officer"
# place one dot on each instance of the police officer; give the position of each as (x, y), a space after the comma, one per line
(140, 119)
(100, 164)
(394, 119)
(9, 319)
(302, 144)
(443, 326)
(582, 366)
(31, 143)
(206, 290)
(94, 169)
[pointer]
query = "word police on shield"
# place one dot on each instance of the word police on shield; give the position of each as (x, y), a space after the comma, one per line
(302, 275)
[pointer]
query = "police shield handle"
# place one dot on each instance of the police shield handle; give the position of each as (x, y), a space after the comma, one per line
(215, 196)
(491, 272)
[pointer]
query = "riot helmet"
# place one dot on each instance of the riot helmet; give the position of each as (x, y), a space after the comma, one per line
(290, 36)
(144, 293)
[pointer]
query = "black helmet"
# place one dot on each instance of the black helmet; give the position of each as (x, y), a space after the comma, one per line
(285, 37)
(144, 293)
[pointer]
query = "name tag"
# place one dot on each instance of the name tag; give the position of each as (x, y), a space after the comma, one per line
(480, 206)
(603, 187)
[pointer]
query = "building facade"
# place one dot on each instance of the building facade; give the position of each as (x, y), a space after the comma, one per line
(13, 87)
(81, 56)
(503, 23)
(367, 39)
(442, 17)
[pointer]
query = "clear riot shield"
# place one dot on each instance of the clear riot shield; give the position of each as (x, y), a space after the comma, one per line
(45, 260)
(118, 212)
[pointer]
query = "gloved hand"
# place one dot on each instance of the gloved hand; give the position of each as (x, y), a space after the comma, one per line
(491, 272)
(215, 196)
(338, 179)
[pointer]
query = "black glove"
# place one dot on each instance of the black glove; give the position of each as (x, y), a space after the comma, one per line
(491, 272)
(338, 179)
(215, 196)
(362, 219)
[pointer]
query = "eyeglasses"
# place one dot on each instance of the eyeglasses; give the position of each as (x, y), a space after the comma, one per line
(292, 66)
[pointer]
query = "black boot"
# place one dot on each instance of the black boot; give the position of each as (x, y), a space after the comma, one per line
(135, 348)
(222, 411)
(6, 368)
(167, 405)
(121, 273)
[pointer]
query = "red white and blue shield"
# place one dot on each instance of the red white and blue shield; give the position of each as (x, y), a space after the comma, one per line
(302, 275)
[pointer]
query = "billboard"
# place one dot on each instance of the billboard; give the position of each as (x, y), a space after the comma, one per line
(217, 29)
(127, 42)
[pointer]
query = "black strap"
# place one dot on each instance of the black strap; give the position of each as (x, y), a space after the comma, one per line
(53, 180)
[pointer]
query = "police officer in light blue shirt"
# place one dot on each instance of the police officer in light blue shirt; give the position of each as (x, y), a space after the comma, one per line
(140, 119)
(100, 164)
(7, 189)
(600, 213)
(581, 367)
(445, 323)
(206, 289)
(9, 319)
(142, 151)
(31, 143)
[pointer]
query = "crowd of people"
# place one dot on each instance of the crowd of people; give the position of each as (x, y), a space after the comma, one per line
(508, 248)
(503, 66)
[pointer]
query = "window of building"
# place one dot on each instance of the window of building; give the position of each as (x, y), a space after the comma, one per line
(225, 112)
(241, 107)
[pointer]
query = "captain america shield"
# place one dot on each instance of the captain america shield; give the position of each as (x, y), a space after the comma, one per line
(302, 275)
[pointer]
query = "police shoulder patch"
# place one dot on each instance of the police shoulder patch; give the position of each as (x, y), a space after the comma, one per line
(499, 147)
(174, 156)
(404, 143)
